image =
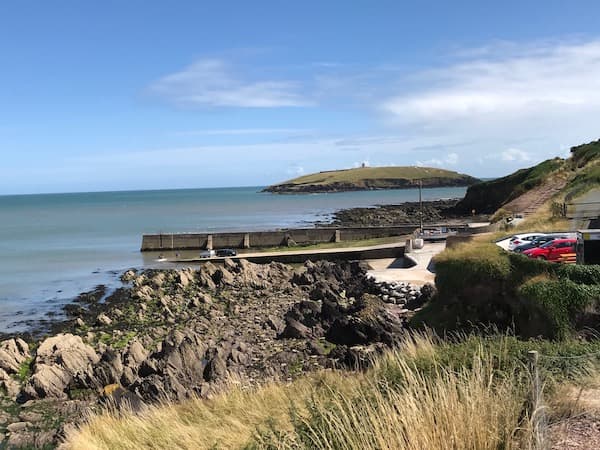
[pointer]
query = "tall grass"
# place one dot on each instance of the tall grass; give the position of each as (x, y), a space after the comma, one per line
(411, 398)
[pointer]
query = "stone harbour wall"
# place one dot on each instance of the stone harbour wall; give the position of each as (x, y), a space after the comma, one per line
(301, 236)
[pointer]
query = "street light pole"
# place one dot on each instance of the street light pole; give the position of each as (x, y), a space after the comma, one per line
(420, 206)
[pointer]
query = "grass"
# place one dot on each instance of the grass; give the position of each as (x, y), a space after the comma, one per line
(428, 393)
(374, 176)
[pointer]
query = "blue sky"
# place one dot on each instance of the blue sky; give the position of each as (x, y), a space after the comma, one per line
(116, 95)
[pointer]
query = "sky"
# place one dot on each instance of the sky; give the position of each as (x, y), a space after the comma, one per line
(123, 95)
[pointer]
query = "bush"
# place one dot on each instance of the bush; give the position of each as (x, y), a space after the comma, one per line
(560, 301)
(479, 284)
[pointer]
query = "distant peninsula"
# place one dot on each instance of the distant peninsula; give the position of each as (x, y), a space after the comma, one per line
(372, 178)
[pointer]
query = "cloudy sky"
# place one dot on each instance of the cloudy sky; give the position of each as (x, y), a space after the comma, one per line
(116, 95)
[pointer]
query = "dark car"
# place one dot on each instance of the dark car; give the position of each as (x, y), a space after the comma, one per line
(226, 252)
(537, 242)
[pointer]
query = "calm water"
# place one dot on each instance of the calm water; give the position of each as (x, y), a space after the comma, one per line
(54, 246)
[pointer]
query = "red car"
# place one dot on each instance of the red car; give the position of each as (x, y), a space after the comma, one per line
(552, 250)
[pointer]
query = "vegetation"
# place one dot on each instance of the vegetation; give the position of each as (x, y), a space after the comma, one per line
(426, 394)
(489, 196)
(480, 284)
(373, 178)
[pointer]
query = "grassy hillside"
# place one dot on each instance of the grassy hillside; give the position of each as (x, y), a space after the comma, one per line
(366, 178)
(585, 161)
(581, 169)
(487, 197)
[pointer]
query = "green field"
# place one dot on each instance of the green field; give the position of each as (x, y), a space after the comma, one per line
(373, 178)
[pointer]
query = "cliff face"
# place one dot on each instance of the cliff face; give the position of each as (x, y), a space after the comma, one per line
(372, 179)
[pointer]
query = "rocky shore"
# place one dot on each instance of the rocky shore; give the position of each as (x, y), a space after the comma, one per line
(172, 334)
(405, 213)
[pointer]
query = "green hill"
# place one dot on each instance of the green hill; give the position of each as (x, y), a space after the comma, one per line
(581, 170)
(371, 178)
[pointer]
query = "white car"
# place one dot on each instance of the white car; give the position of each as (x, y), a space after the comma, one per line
(208, 254)
(519, 239)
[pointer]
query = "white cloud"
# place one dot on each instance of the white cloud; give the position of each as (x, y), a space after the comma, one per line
(514, 154)
(295, 171)
(524, 84)
(450, 160)
(212, 83)
(531, 99)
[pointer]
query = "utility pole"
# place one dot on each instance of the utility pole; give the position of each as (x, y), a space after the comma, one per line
(421, 206)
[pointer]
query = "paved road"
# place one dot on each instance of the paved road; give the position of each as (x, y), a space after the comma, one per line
(423, 272)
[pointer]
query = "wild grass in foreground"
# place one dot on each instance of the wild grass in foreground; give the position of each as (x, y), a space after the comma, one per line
(467, 393)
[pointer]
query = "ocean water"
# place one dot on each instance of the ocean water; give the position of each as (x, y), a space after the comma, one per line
(55, 246)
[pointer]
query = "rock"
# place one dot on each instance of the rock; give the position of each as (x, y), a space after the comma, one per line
(186, 276)
(428, 291)
(230, 265)
(205, 298)
(10, 384)
(206, 280)
(120, 398)
(295, 330)
(238, 357)
(80, 323)
(18, 426)
(103, 319)
(110, 368)
(223, 276)
(13, 352)
(175, 371)
(275, 323)
(61, 362)
(215, 369)
(20, 440)
(144, 293)
(136, 353)
(128, 276)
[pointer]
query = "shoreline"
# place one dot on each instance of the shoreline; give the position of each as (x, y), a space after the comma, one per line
(168, 334)
(377, 215)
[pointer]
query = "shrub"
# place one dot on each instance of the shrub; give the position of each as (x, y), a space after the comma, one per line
(479, 284)
(560, 301)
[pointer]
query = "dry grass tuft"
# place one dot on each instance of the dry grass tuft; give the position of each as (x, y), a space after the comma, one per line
(407, 400)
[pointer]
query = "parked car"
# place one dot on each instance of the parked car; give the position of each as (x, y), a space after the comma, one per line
(519, 239)
(208, 254)
(226, 252)
(552, 250)
(537, 242)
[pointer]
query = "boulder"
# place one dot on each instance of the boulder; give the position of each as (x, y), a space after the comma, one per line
(223, 276)
(216, 368)
(13, 353)
(103, 319)
(295, 330)
(62, 361)
(185, 276)
(110, 368)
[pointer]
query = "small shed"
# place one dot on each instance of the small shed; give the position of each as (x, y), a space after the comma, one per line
(588, 246)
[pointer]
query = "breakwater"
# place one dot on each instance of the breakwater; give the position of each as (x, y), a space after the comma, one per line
(258, 239)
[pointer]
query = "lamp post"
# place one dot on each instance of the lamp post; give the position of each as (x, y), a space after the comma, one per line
(420, 206)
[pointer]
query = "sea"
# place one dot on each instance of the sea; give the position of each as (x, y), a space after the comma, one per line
(55, 246)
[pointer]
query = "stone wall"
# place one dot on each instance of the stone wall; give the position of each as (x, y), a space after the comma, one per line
(301, 236)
